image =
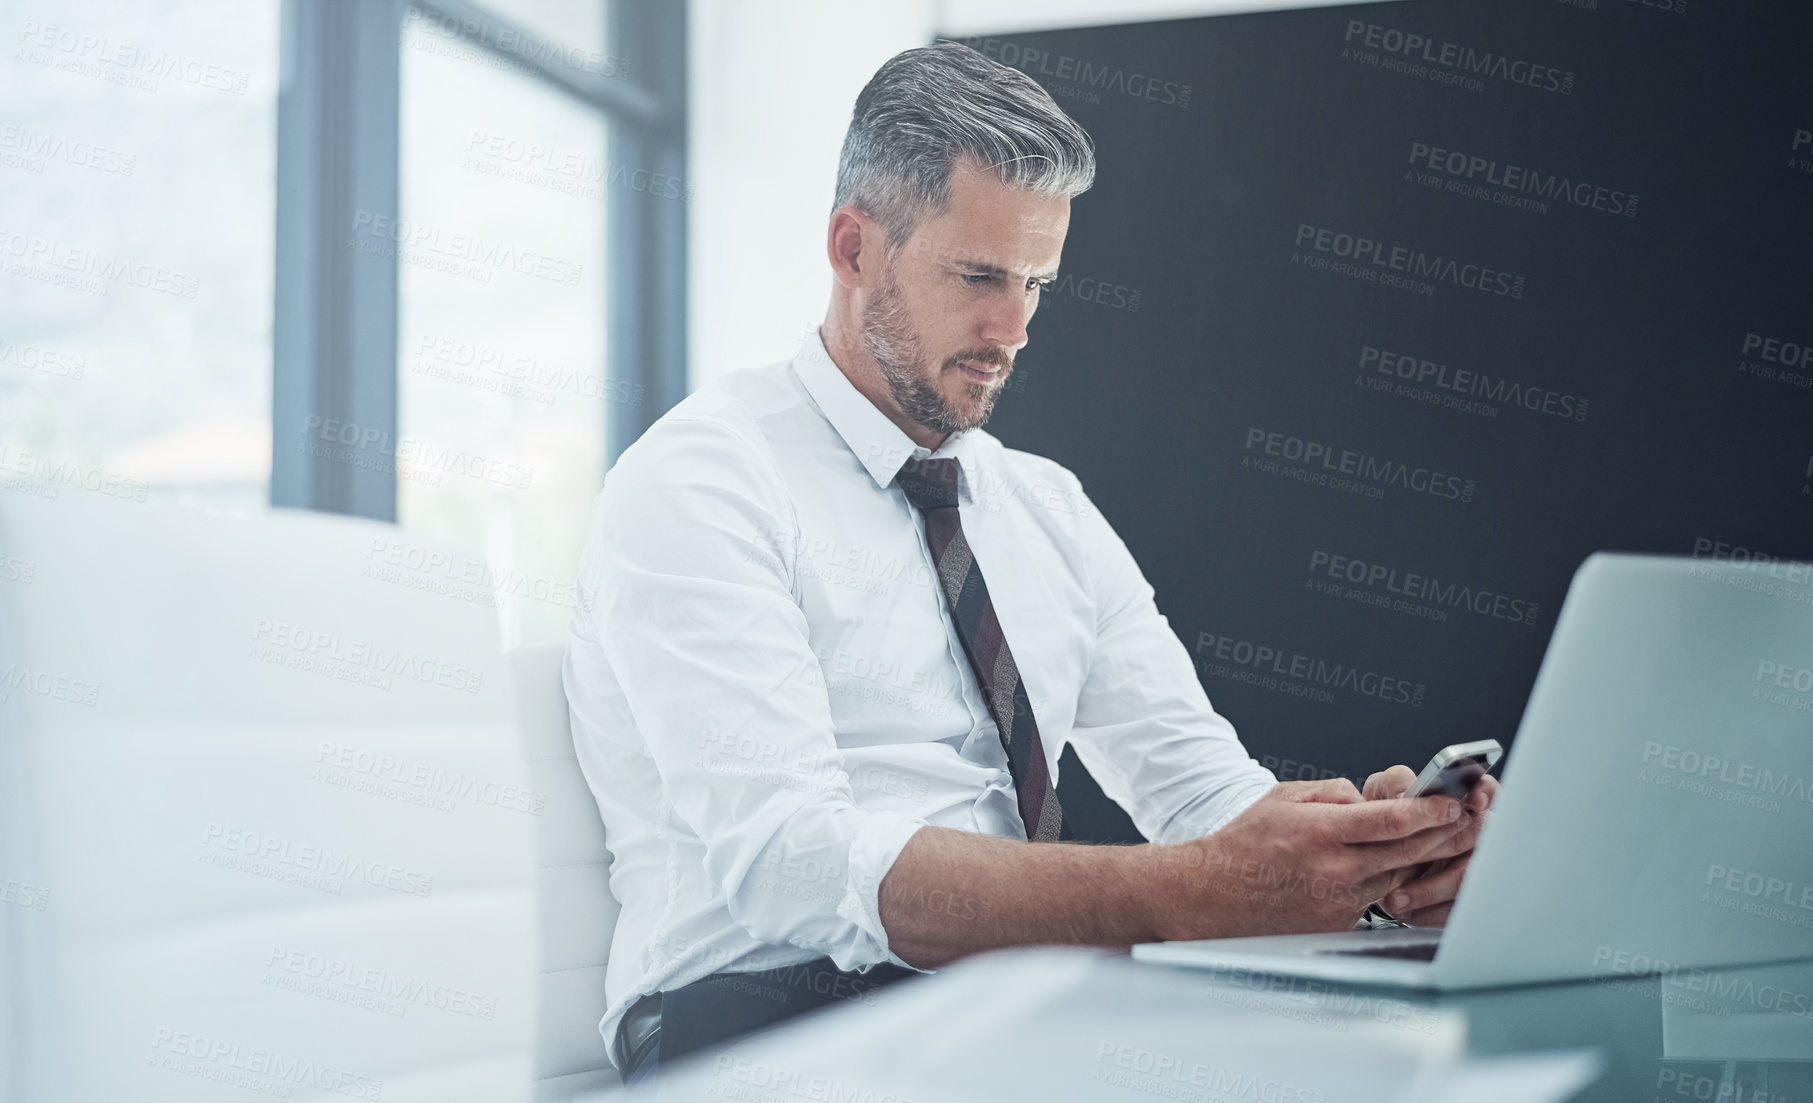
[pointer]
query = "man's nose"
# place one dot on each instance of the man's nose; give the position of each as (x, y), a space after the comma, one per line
(1005, 325)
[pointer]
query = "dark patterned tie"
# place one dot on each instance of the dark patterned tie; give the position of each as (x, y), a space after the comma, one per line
(932, 486)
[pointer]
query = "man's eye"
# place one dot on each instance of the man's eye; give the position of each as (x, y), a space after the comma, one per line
(1038, 285)
(975, 279)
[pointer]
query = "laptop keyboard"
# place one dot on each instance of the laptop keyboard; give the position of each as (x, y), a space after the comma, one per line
(1404, 951)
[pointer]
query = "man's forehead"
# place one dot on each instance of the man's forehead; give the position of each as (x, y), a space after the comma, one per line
(1011, 247)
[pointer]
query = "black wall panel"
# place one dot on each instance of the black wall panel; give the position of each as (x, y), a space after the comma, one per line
(1379, 319)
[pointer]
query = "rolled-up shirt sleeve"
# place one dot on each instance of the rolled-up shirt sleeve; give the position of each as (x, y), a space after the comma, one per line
(1144, 726)
(690, 592)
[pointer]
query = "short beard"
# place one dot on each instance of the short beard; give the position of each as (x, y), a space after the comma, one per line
(894, 344)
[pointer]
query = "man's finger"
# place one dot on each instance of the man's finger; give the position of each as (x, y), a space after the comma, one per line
(1440, 886)
(1385, 784)
(1380, 820)
(1432, 844)
(1436, 916)
(1381, 885)
(1473, 823)
(1483, 793)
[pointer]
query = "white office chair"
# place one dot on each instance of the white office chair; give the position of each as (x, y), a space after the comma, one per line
(263, 821)
(578, 913)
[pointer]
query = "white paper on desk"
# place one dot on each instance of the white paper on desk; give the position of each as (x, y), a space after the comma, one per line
(1523, 1078)
(1058, 1025)
(1738, 1013)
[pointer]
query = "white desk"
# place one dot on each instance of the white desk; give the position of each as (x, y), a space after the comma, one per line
(1056, 1024)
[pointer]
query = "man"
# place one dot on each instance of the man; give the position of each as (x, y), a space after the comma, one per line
(836, 636)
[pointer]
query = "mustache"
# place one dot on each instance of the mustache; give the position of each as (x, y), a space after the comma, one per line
(998, 356)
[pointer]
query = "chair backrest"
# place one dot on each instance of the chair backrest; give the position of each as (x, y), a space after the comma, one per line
(578, 913)
(263, 820)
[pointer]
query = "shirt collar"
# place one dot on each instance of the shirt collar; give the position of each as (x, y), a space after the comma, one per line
(878, 443)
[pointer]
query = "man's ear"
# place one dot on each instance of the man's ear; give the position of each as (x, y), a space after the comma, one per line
(849, 231)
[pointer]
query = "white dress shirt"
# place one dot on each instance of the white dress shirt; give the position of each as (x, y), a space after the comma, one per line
(768, 698)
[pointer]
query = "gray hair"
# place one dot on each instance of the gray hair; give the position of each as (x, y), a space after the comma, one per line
(929, 107)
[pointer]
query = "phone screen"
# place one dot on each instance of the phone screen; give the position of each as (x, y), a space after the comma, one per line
(1455, 770)
(1456, 779)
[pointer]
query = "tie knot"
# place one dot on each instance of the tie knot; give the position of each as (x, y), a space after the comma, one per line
(929, 484)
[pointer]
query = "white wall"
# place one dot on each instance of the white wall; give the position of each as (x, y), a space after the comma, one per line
(958, 18)
(772, 85)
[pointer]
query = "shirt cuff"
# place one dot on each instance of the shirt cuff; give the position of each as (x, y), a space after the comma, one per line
(1220, 813)
(872, 853)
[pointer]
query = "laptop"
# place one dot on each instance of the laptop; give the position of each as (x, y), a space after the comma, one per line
(1656, 811)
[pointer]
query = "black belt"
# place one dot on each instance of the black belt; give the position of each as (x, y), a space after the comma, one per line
(710, 1013)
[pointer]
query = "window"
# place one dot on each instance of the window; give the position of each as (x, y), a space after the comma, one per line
(501, 384)
(567, 24)
(136, 250)
(481, 269)
(417, 260)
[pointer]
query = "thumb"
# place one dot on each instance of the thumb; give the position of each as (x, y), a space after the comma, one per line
(1394, 782)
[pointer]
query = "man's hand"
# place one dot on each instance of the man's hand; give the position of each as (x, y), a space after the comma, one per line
(1306, 857)
(1428, 897)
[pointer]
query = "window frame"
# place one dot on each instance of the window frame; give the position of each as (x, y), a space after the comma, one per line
(334, 412)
